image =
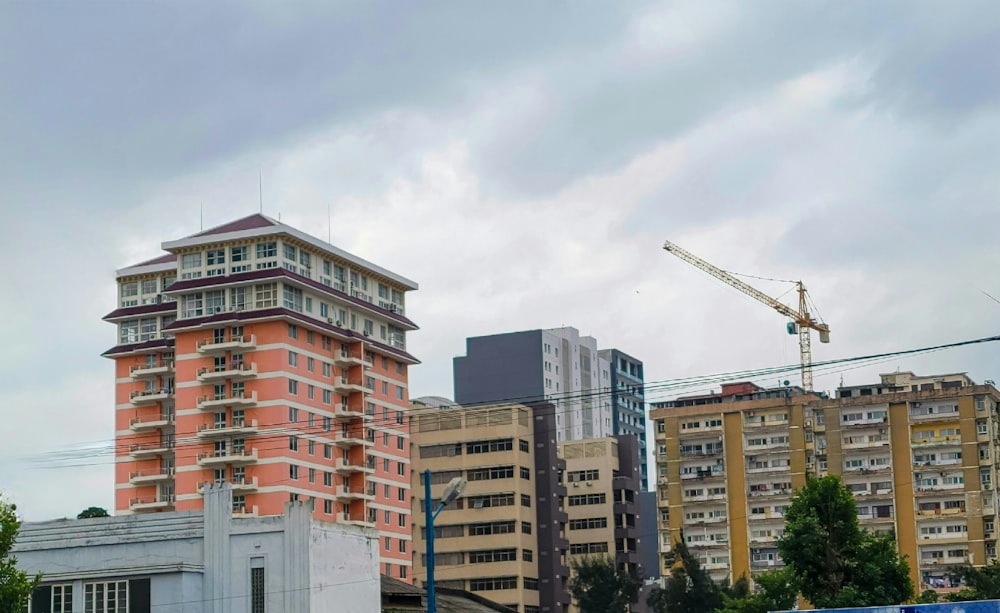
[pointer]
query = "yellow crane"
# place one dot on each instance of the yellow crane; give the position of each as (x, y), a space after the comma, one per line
(802, 323)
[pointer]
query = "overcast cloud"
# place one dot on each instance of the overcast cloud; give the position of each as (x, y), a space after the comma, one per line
(522, 161)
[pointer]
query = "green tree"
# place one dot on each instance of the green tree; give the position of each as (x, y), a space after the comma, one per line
(598, 585)
(774, 591)
(927, 597)
(15, 585)
(689, 588)
(981, 583)
(834, 562)
(93, 512)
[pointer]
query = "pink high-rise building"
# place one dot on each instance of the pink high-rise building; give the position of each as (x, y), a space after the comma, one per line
(255, 354)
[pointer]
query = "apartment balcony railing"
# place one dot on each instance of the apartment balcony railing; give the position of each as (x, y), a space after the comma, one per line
(764, 540)
(239, 484)
(766, 563)
(932, 417)
(715, 565)
(865, 423)
(347, 518)
(703, 520)
(930, 490)
(702, 453)
(240, 509)
(220, 345)
(350, 358)
(229, 456)
(343, 466)
(703, 474)
(769, 492)
(141, 397)
(871, 493)
(144, 371)
(704, 497)
(707, 543)
(349, 439)
(936, 441)
(235, 370)
(939, 512)
(152, 449)
(943, 561)
(237, 427)
(767, 469)
(868, 470)
(347, 385)
(139, 424)
(151, 503)
(239, 399)
(349, 494)
(141, 477)
(948, 462)
(347, 411)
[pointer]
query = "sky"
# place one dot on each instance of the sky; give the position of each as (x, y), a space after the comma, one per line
(524, 162)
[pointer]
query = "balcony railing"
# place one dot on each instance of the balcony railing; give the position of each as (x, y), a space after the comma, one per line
(348, 385)
(150, 396)
(240, 509)
(348, 358)
(238, 399)
(239, 484)
(141, 371)
(138, 424)
(213, 344)
(151, 449)
(229, 456)
(238, 426)
(235, 370)
(151, 476)
(151, 503)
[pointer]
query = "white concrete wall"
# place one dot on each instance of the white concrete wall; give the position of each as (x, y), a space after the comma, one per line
(343, 570)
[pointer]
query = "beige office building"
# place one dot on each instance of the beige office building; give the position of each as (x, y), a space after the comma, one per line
(919, 454)
(503, 538)
(602, 480)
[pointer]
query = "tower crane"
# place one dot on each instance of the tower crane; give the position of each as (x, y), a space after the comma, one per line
(802, 323)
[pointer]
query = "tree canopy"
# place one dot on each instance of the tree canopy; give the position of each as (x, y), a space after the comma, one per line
(831, 559)
(773, 591)
(690, 588)
(15, 585)
(981, 583)
(93, 512)
(599, 586)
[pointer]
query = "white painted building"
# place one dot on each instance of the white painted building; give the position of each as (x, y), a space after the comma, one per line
(575, 373)
(202, 562)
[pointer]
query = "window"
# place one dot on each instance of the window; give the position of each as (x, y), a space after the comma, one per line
(148, 286)
(267, 250)
(191, 305)
(328, 506)
(266, 295)
(293, 386)
(503, 444)
(289, 252)
(191, 260)
(493, 583)
(293, 443)
(400, 468)
(310, 364)
(312, 471)
(523, 445)
(293, 414)
(588, 548)
(327, 396)
(586, 499)
(293, 331)
(591, 523)
(238, 298)
(492, 555)
(293, 471)
(292, 298)
(215, 301)
(257, 583)
(105, 597)
(214, 257)
(61, 598)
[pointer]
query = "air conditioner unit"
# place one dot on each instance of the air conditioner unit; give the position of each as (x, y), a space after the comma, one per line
(158, 299)
(591, 482)
(749, 413)
(576, 484)
(881, 430)
(392, 308)
(329, 320)
(809, 423)
(340, 323)
(217, 309)
(366, 333)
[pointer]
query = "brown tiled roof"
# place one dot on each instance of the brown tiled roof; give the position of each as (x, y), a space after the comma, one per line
(162, 259)
(128, 348)
(246, 223)
(142, 309)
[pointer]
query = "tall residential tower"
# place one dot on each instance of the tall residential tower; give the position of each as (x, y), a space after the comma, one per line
(255, 354)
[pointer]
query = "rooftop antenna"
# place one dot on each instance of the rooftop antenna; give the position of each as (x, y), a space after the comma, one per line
(260, 189)
(329, 225)
(201, 216)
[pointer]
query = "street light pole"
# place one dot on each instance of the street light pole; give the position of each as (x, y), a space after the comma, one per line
(451, 493)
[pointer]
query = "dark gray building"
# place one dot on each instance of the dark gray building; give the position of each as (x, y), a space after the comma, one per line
(628, 404)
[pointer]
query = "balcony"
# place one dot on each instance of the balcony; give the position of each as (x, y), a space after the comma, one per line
(150, 396)
(702, 521)
(240, 509)
(346, 385)
(345, 518)
(236, 370)
(344, 467)
(943, 561)
(767, 469)
(219, 458)
(238, 427)
(715, 565)
(704, 497)
(768, 492)
(221, 345)
(869, 493)
(346, 411)
(347, 439)
(146, 371)
(931, 490)
(764, 540)
(150, 450)
(241, 399)
(704, 474)
(239, 484)
(153, 503)
(939, 512)
(138, 424)
(868, 470)
(933, 417)
(144, 477)
(866, 423)
(936, 441)
(869, 444)
(350, 358)
(709, 543)
(349, 494)
(708, 453)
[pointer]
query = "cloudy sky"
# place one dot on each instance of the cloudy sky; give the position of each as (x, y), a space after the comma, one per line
(522, 161)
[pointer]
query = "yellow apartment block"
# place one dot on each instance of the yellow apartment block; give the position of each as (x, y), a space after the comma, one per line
(919, 453)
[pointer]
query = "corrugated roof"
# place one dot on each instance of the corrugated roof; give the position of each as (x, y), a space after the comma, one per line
(246, 223)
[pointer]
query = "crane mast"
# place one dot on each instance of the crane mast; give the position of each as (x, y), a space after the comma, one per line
(801, 322)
